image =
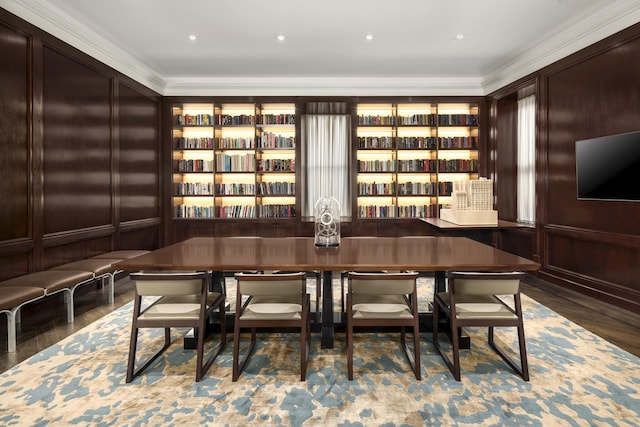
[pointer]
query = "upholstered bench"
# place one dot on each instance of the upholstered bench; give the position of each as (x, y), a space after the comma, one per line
(12, 298)
(38, 285)
(100, 268)
(125, 254)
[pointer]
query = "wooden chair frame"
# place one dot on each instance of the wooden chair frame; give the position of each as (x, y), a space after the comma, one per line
(304, 323)
(200, 324)
(413, 323)
(448, 309)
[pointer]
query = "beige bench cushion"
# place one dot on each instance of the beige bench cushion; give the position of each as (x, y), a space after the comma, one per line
(49, 280)
(11, 297)
(126, 254)
(98, 266)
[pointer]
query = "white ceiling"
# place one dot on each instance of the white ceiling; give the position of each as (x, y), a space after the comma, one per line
(414, 50)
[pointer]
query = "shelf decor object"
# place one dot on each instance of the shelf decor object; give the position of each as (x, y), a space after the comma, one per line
(327, 218)
(471, 203)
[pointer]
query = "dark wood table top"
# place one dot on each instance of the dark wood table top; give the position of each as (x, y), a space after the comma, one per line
(354, 253)
(446, 225)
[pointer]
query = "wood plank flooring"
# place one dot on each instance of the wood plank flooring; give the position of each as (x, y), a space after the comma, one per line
(44, 323)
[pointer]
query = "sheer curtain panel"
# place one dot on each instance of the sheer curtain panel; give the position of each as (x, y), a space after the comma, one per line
(326, 159)
(527, 159)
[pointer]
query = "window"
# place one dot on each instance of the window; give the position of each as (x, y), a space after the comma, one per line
(526, 175)
(326, 156)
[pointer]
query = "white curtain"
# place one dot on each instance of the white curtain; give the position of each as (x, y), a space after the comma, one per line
(526, 195)
(326, 159)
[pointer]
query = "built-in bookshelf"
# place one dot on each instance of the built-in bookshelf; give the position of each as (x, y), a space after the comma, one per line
(234, 160)
(409, 155)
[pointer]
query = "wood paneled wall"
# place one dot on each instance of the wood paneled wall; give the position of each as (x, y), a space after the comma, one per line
(79, 154)
(587, 245)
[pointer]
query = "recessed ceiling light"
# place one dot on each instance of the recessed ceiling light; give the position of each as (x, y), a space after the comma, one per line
(281, 37)
(460, 36)
(369, 36)
(193, 37)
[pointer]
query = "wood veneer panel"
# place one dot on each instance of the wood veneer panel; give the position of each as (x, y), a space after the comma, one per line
(597, 96)
(14, 265)
(61, 254)
(14, 137)
(139, 155)
(506, 165)
(147, 238)
(76, 144)
(612, 268)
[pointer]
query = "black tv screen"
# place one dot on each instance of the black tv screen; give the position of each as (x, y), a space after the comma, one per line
(608, 168)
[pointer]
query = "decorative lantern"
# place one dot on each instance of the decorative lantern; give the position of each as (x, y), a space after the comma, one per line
(327, 214)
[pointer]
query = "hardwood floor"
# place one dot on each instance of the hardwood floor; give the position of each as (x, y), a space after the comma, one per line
(44, 324)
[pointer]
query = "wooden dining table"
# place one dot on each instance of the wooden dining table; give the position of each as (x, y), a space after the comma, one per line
(435, 255)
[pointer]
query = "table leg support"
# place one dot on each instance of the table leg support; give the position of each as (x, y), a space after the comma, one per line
(327, 329)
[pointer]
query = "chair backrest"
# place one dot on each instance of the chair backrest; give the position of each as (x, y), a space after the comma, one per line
(169, 284)
(473, 284)
(271, 284)
(382, 283)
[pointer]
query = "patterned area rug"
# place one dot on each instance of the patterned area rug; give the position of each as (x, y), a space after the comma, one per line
(577, 379)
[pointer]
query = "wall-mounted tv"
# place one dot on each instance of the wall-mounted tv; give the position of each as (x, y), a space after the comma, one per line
(608, 168)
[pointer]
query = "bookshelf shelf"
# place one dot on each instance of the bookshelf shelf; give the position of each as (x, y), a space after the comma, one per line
(233, 160)
(409, 155)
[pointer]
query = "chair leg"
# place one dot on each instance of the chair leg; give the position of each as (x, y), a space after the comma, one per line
(523, 369)
(349, 348)
(454, 367)
(238, 362)
(201, 370)
(132, 373)
(303, 349)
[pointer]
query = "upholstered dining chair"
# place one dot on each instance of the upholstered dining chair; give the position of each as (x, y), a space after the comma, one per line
(472, 299)
(273, 301)
(384, 299)
(182, 301)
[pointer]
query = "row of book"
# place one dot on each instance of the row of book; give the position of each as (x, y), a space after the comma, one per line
(417, 165)
(415, 119)
(417, 211)
(235, 189)
(193, 143)
(376, 189)
(193, 188)
(375, 142)
(419, 120)
(191, 211)
(418, 142)
(237, 142)
(239, 120)
(277, 188)
(277, 119)
(392, 211)
(276, 165)
(418, 188)
(272, 140)
(193, 120)
(276, 211)
(376, 166)
(449, 142)
(442, 188)
(193, 165)
(457, 165)
(377, 211)
(235, 162)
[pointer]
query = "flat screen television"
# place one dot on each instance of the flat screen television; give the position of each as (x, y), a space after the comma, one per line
(608, 167)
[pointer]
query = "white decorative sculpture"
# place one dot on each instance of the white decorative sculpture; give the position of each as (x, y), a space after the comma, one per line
(471, 203)
(327, 215)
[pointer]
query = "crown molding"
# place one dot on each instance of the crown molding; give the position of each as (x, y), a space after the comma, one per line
(324, 86)
(47, 17)
(607, 21)
(619, 15)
